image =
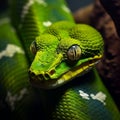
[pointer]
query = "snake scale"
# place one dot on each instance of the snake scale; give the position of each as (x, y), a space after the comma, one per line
(47, 65)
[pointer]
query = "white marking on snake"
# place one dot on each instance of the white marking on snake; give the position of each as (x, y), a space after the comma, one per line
(12, 99)
(42, 2)
(4, 21)
(26, 8)
(47, 23)
(100, 96)
(10, 51)
(60, 81)
(65, 8)
(84, 95)
(28, 4)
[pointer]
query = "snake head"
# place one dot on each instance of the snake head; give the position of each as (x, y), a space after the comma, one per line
(63, 53)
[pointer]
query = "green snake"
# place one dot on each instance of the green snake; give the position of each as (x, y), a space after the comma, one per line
(47, 65)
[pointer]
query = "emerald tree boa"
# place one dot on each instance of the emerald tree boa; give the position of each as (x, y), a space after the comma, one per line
(47, 64)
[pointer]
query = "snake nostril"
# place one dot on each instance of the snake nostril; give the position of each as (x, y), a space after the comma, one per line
(52, 72)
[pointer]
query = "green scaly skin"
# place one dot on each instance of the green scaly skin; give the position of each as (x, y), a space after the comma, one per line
(81, 95)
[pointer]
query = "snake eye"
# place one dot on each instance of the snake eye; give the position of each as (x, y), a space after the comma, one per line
(33, 47)
(74, 53)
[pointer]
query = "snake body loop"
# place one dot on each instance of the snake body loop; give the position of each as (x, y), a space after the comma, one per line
(63, 62)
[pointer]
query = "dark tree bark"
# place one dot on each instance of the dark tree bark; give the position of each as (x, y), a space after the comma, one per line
(113, 9)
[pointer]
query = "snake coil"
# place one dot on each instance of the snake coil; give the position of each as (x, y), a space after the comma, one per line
(84, 98)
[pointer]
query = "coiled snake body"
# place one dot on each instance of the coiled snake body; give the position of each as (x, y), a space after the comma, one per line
(62, 65)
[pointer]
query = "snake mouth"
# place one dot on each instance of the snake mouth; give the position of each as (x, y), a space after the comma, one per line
(76, 71)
